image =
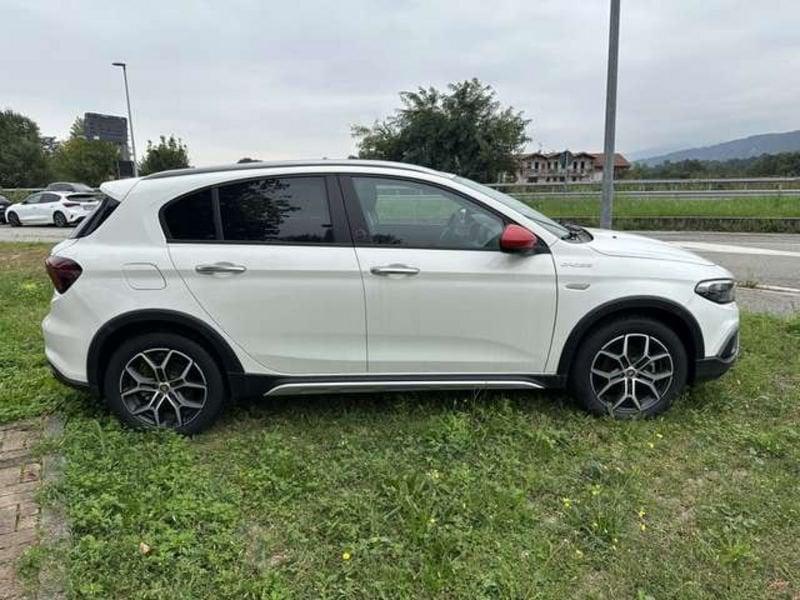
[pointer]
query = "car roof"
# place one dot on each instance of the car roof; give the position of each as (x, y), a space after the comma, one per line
(347, 162)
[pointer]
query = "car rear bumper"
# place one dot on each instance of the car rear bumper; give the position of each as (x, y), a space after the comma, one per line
(716, 366)
(73, 383)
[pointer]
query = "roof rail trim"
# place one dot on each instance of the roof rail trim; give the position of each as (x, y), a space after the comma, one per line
(292, 163)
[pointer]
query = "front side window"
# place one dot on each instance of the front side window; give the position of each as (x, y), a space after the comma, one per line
(32, 199)
(413, 214)
(288, 210)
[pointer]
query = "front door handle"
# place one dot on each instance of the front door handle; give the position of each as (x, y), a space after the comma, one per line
(394, 270)
(220, 267)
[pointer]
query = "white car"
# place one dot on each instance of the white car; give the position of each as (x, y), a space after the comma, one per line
(187, 289)
(52, 208)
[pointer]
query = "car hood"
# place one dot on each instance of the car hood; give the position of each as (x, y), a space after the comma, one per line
(616, 243)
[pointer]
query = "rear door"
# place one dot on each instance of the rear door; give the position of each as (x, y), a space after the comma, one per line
(440, 295)
(271, 262)
(46, 207)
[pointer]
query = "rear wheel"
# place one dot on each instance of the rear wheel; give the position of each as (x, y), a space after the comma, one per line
(59, 219)
(164, 380)
(629, 367)
(13, 219)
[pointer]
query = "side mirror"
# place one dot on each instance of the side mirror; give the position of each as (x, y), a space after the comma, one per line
(517, 239)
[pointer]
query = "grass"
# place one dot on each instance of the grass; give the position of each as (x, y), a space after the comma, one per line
(430, 495)
(764, 207)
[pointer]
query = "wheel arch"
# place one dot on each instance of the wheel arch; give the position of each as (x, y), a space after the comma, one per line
(670, 313)
(111, 334)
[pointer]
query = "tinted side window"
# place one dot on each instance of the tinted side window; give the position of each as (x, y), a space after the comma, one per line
(49, 198)
(191, 218)
(289, 210)
(413, 214)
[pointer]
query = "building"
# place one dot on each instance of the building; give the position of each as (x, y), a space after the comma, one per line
(110, 128)
(565, 167)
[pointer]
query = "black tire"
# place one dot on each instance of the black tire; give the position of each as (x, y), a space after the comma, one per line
(13, 220)
(59, 220)
(183, 419)
(649, 391)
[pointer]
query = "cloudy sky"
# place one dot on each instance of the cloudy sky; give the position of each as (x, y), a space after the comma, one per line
(275, 79)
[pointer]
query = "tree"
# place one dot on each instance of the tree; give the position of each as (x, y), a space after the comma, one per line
(167, 154)
(86, 161)
(463, 131)
(78, 128)
(23, 162)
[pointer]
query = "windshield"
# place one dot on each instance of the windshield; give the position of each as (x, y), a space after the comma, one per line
(514, 204)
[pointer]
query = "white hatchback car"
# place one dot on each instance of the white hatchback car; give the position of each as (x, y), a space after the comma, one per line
(189, 288)
(52, 208)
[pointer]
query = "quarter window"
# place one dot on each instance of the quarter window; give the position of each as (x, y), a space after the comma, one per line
(191, 218)
(417, 215)
(289, 210)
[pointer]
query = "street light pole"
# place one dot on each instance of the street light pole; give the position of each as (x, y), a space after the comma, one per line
(130, 117)
(607, 207)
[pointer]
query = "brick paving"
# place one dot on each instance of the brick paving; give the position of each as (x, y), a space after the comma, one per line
(20, 477)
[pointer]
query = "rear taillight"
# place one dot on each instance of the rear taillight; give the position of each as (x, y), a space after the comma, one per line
(62, 271)
(70, 204)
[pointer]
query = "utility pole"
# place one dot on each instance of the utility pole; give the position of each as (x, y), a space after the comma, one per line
(607, 208)
(130, 117)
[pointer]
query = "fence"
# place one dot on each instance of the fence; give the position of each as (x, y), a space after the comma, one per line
(654, 188)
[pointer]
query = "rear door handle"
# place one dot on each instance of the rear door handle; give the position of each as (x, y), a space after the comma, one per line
(394, 270)
(220, 267)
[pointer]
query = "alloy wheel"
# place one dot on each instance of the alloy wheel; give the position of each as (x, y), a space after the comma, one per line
(631, 373)
(162, 387)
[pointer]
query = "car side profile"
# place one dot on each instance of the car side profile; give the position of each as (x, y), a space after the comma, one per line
(68, 186)
(52, 208)
(187, 289)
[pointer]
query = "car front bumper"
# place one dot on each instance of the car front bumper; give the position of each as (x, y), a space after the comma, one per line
(716, 366)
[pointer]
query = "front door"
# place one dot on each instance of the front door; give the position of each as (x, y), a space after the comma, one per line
(28, 209)
(271, 262)
(441, 297)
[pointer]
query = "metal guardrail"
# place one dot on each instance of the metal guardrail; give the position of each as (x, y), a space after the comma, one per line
(674, 194)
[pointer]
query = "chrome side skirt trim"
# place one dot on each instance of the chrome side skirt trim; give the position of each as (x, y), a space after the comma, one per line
(338, 387)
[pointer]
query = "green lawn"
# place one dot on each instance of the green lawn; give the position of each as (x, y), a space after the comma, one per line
(766, 207)
(430, 495)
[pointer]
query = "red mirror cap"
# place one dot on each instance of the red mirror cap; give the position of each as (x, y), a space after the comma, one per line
(517, 239)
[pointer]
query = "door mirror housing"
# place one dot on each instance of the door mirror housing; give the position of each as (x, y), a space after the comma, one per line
(517, 239)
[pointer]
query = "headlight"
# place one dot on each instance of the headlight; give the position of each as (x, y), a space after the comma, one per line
(721, 291)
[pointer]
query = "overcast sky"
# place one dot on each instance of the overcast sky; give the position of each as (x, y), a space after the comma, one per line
(277, 79)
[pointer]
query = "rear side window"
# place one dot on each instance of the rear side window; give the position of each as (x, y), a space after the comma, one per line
(97, 218)
(191, 218)
(49, 198)
(289, 210)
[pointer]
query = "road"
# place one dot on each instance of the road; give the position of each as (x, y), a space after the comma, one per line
(765, 260)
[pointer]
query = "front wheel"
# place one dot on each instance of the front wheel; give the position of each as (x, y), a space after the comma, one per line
(13, 219)
(629, 367)
(164, 380)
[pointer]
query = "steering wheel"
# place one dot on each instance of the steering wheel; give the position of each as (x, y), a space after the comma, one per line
(461, 227)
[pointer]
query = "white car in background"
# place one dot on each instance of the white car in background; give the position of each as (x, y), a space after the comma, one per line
(52, 208)
(186, 289)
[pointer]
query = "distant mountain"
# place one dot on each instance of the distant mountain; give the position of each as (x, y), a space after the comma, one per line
(755, 145)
